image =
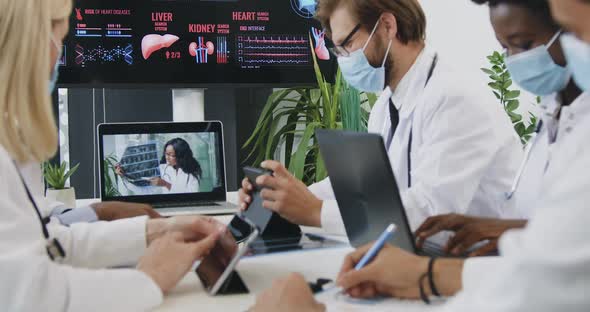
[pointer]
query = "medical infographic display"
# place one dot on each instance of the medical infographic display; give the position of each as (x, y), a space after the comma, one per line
(193, 42)
(160, 164)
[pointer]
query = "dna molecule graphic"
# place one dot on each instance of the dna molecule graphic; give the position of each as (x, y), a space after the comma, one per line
(101, 55)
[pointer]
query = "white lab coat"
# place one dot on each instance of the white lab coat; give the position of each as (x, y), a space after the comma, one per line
(464, 151)
(180, 181)
(30, 281)
(524, 203)
(546, 266)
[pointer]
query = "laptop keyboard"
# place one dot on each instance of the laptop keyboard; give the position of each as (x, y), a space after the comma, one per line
(434, 250)
(179, 205)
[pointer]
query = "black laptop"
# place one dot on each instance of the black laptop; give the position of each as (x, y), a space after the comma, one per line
(366, 189)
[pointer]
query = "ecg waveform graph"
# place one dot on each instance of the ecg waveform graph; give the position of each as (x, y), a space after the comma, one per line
(101, 55)
(268, 50)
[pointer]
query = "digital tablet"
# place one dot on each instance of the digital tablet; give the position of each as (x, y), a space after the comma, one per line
(216, 271)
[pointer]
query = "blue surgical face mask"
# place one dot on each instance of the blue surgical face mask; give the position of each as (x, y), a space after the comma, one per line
(536, 72)
(577, 54)
(55, 74)
(359, 73)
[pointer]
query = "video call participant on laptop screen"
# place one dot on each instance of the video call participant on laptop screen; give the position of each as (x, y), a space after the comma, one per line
(164, 164)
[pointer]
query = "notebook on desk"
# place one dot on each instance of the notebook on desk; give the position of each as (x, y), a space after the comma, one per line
(178, 168)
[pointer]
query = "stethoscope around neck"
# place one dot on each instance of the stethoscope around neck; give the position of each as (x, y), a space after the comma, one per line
(411, 136)
(53, 247)
(527, 154)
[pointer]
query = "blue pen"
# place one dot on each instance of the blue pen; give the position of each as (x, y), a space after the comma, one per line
(368, 257)
(376, 248)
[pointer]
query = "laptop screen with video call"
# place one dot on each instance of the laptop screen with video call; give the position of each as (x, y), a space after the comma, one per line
(162, 162)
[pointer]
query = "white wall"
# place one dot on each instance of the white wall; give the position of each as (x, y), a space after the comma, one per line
(462, 34)
(188, 105)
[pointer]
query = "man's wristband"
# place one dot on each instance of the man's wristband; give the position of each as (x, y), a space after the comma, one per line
(423, 294)
(430, 274)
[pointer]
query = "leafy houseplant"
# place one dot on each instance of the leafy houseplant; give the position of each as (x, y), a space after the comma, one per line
(56, 177)
(500, 84)
(291, 116)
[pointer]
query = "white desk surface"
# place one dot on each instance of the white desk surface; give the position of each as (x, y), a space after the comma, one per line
(259, 272)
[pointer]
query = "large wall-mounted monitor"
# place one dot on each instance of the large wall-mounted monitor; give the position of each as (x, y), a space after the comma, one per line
(193, 42)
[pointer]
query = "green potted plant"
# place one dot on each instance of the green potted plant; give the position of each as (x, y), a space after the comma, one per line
(291, 116)
(56, 177)
(500, 83)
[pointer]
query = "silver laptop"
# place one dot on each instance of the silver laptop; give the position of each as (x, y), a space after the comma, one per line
(178, 168)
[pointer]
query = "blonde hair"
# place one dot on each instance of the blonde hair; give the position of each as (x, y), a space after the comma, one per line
(27, 130)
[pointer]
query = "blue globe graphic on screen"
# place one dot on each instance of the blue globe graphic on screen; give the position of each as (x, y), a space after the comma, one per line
(304, 8)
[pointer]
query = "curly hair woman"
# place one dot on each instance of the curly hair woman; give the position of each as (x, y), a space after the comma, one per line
(180, 172)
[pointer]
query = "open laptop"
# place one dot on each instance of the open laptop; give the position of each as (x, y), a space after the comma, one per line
(366, 189)
(178, 168)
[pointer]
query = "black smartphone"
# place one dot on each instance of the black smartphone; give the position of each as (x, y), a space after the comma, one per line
(256, 213)
(253, 173)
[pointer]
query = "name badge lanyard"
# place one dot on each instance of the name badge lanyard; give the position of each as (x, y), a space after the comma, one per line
(54, 249)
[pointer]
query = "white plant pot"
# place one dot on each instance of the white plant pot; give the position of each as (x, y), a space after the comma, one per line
(65, 196)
